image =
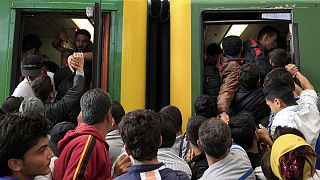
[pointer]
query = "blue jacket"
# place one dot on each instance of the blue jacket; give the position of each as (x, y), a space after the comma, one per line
(138, 172)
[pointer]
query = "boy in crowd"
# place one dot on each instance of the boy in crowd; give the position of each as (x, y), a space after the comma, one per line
(229, 66)
(198, 163)
(226, 161)
(141, 133)
(24, 150)
(113, 137)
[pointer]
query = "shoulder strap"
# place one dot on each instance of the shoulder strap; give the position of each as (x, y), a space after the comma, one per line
(247, 174)
(85, 156)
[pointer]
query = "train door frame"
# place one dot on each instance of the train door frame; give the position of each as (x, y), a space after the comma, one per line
(294, 42)
(109, 75)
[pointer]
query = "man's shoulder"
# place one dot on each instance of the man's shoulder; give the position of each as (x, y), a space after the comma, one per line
(167, 173)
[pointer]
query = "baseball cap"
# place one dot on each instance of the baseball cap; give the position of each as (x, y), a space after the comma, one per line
(31, 65)
(32, 104)
(57, 133)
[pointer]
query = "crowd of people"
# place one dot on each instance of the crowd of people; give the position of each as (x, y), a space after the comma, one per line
(258, 119)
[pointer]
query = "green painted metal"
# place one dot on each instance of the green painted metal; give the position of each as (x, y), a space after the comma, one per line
(114, 82)
(7, 21)
(6, 34)
(301, 15)
(308, 29)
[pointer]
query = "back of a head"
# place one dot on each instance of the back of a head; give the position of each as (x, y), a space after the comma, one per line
(42, 87)
(32, 105)
(18, 134)
(57, 133)
(205, 106)
(243, 129)
(232, 45)
(117, 111)
(193, 126)
(175, 113)
(95, 105)
(269, 30)
(31, 41)
(140, 131)
(215, 137)
(279, 58)
(168, 130)
(11, 104)
(213, 49)
(290, 151)
(83, 32)
(249, 76)
(279, 77)
(283, 93)
(279, 131)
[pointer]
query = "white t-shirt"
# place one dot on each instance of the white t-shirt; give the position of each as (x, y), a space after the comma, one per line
(24, 88)
(303, 116)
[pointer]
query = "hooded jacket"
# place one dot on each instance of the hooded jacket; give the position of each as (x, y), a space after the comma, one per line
(84, 155)
(228, 70)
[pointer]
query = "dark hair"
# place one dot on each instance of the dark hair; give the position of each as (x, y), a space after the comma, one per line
(269, 30)
(283, 93)
(279, 131)
(83, 32)
(243, 129)
(231, 45)
(279, 77)
(279, 58)
(175, 113)
(168, 130)
(42, 87)
(213, 49)
(18, 134)
(193, 126)
(11, 104)
(205, 106)
(140, 131)
(117, 111)
(66, 53)
(215, 137)
(31, 41)
(95, 105)
(249, 76)
(266, 166)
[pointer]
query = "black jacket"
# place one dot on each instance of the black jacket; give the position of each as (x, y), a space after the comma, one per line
(254, 53)
(199, 167)
(60, 111)
(252, 101)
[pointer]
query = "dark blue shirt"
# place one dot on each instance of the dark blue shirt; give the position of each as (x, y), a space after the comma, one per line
(135, 172)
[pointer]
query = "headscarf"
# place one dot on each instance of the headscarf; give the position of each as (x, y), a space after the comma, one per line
(285, 144)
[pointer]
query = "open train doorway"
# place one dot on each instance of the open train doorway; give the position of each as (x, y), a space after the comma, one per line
(46, 29)
(217, 25)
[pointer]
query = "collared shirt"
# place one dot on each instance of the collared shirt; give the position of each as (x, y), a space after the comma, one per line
(180, 146)
(236, 165)
(116, 145)
(303, 116)
(172, 161)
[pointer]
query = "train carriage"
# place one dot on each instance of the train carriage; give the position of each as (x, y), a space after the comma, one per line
(150, 53)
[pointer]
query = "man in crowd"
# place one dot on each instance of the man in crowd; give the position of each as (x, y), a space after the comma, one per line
(256, 51)
(140, 131)
(226, 161)
(24, 150)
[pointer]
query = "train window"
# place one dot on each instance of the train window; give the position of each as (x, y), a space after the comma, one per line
(216, 25)
(48, 26)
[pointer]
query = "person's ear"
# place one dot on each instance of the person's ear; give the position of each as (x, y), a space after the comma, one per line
(127, 150)
(160, 141)
(199, 144)
(113, 122)
(278, 103)
(51, 95)
(230, 143)
(15, 164)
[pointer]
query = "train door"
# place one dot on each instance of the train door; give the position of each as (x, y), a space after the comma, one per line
(246, 24)
(49, 23)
